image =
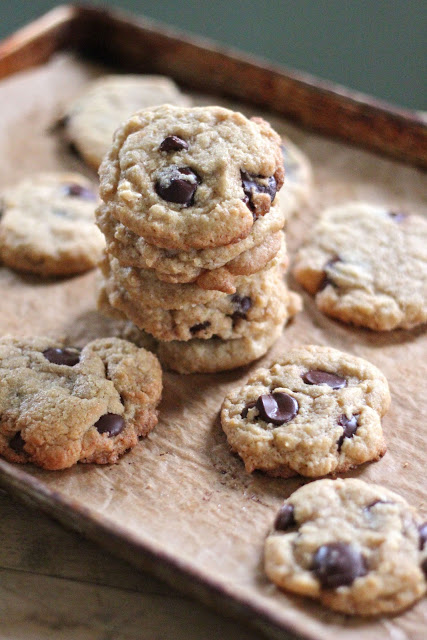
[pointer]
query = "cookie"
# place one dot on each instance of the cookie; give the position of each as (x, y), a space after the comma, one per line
(315, 411)
(147, 291)
(214, 355)
(47, 226)
(91, 120)
(222, 263)
(204, 356)
(367, 266)
(298, 178)
(60, 405)
(260, 300)
(356, 547)
(191, 178)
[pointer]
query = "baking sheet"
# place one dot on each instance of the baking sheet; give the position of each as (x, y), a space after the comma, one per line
(181, 491)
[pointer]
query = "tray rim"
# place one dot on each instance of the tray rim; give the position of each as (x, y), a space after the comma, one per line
(319, 105)
(145, 556)
(58, 24)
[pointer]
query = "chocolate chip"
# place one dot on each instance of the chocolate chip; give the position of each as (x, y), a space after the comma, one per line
(75, 190)
(327, 277)
(424, 567)
(242, 305)
(111, 424)
(173, 143)
(177, 184)
(318, 376)
(285, 518)
(337, 564)
(62, 356)
(199, 327)
(423, 535)
(245, 410)
(17, 443)
(398, 216)
(277, 408)
(349, 428)
(375, 502)
(257, 184)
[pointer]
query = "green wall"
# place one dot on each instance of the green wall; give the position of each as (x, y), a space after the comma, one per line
(374, 46)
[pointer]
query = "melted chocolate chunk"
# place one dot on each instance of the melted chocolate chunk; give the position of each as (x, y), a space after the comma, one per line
(199, 327)
(398, 216)
(245, 410)
(257, 184)
(285, 519)
(173, 143)
(349, 428)
(277, 408)
(424, 567)
(423, 535)
(174, 186)
(337, 564)
(75, 190)
(62, 356)
(111, 423)
(326, 277)
(375, 502)
(242, 305)
(17, 443)
(317, 376)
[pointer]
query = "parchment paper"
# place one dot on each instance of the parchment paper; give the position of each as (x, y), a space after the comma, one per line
(181, 487)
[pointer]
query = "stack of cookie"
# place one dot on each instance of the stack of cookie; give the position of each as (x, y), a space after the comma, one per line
(195, 250)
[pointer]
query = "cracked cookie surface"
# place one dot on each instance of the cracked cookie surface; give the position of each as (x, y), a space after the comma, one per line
(60, 405)
(191, 178)
(358, 548)
(314, 412)
(48, 226)
(367, 265)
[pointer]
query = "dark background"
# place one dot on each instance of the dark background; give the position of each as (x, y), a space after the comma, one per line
(375, 46)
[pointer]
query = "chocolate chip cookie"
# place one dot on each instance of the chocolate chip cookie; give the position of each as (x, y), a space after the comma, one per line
(210, 268)
(60, 405)
(191, 178)
(210, 355)
(314, 412)
(90, 121)
(367, 265)
(259, 300)
(48, 225)
(213, 355)
(358, 548)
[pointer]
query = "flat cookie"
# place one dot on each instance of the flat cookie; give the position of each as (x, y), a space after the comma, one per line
(317, 411)
(59, 406)
(367, 266)
(47, 226)
(208, 267)
(298, 178)
(91, 120)
(356, 547)
(191, 178)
